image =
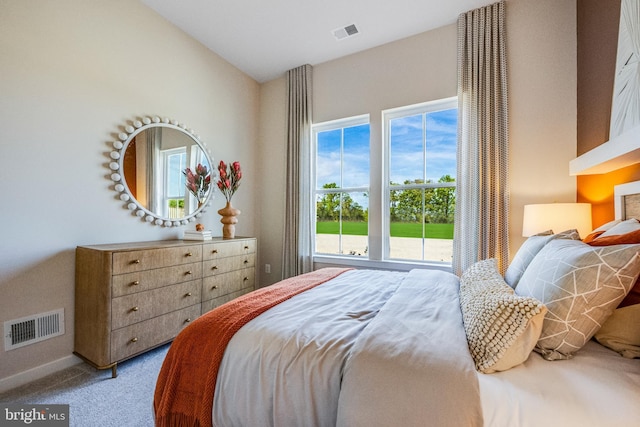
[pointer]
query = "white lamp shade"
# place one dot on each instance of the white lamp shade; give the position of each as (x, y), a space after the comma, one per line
(557, 217)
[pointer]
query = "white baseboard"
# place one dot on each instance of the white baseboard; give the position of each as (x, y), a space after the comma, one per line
(38, 372)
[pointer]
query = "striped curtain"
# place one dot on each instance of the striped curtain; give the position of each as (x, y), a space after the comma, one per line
(482, 202)
(297, 250)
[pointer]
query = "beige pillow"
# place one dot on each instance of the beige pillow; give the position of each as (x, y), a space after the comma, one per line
(581, 286)
(529, 250)
(621, 332)
(502, 328)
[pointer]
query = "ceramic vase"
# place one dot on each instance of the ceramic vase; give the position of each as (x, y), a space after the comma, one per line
(229, 220)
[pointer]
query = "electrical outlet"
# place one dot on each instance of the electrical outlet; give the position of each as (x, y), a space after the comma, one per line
(267, 268)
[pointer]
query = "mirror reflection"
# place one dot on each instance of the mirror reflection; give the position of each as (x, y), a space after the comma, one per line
(153, 167)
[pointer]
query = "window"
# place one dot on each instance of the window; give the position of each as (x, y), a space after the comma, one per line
(421, 143)
(342, 186)
(175, 161)
(397, 204)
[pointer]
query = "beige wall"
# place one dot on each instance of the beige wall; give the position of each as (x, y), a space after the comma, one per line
(541, 49)
(71, 72)
(541, 46)
(272, 150)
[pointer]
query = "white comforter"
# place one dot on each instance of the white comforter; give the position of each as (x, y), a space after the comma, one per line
(372, 348)
(597, 388)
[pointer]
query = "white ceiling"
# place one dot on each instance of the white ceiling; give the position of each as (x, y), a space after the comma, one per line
(265, 38)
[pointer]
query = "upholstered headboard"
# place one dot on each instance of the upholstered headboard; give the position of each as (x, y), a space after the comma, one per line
(627, 200)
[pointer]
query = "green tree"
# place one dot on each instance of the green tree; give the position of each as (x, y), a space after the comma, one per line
(440, 203)
(406, 205)
(331, 205)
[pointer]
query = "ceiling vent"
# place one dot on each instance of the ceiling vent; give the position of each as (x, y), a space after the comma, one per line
(343, 33)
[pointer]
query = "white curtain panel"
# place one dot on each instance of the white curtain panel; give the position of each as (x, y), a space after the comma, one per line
(482, 201)
(297, 244)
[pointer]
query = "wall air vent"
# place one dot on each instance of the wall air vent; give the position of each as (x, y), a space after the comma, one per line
(32, 329)
(344, 32)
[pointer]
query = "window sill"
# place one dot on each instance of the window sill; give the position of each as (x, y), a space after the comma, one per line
(320, 261)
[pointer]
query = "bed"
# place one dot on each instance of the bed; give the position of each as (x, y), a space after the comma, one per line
(346, 347)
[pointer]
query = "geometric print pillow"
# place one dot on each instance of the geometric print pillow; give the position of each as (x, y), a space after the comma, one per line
(529, 250)
(581, 286)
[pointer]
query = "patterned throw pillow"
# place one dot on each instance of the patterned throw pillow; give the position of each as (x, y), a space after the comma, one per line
(502, 328)
(581, 286)
(529, 250)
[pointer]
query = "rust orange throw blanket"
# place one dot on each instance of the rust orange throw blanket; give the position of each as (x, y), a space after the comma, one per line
(187, 380)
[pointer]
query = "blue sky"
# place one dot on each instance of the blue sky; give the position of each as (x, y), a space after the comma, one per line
(355, 160)
(406, 136)
(406, 141)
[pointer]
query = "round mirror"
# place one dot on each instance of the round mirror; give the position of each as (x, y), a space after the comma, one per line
(162, 171)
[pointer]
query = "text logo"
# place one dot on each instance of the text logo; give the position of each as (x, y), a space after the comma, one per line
(34, 415)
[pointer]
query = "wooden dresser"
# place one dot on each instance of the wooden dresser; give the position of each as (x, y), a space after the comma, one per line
(132, 297)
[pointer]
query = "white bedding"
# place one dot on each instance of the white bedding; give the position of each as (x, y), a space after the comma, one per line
(412, 361)
(276, 344)
(597, 388)
(394, 338)
(368, 348)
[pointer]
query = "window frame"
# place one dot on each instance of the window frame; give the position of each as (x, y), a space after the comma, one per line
(378, 218)
(315, 191)
(387, 116)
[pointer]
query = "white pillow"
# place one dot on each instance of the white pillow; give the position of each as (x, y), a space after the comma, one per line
(581, 286)
(608, 225)
(622, 227)
(502, 328)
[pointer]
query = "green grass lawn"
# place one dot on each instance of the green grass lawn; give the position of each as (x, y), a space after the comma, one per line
(398, 229)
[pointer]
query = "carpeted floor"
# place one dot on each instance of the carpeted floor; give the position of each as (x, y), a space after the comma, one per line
(94, 398)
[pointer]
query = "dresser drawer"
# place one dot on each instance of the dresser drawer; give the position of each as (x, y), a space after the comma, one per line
(124, 284)
(226, 265)
(140, 337)
(130, 261)
(140, 306)
(221, 284)
(228, 249)
(216, 302)
(131, 297)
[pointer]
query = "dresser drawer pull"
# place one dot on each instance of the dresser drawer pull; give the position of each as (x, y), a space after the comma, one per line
(187, 320)
(135, 283)
(245, 279)
(134, 339)
(135, 261)
(215, 267)
(189, 254)
(187, 273)
(215, 251)
(188, 294)
(214, 287)
(246, 247)
(135, 308)
(246, 261)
